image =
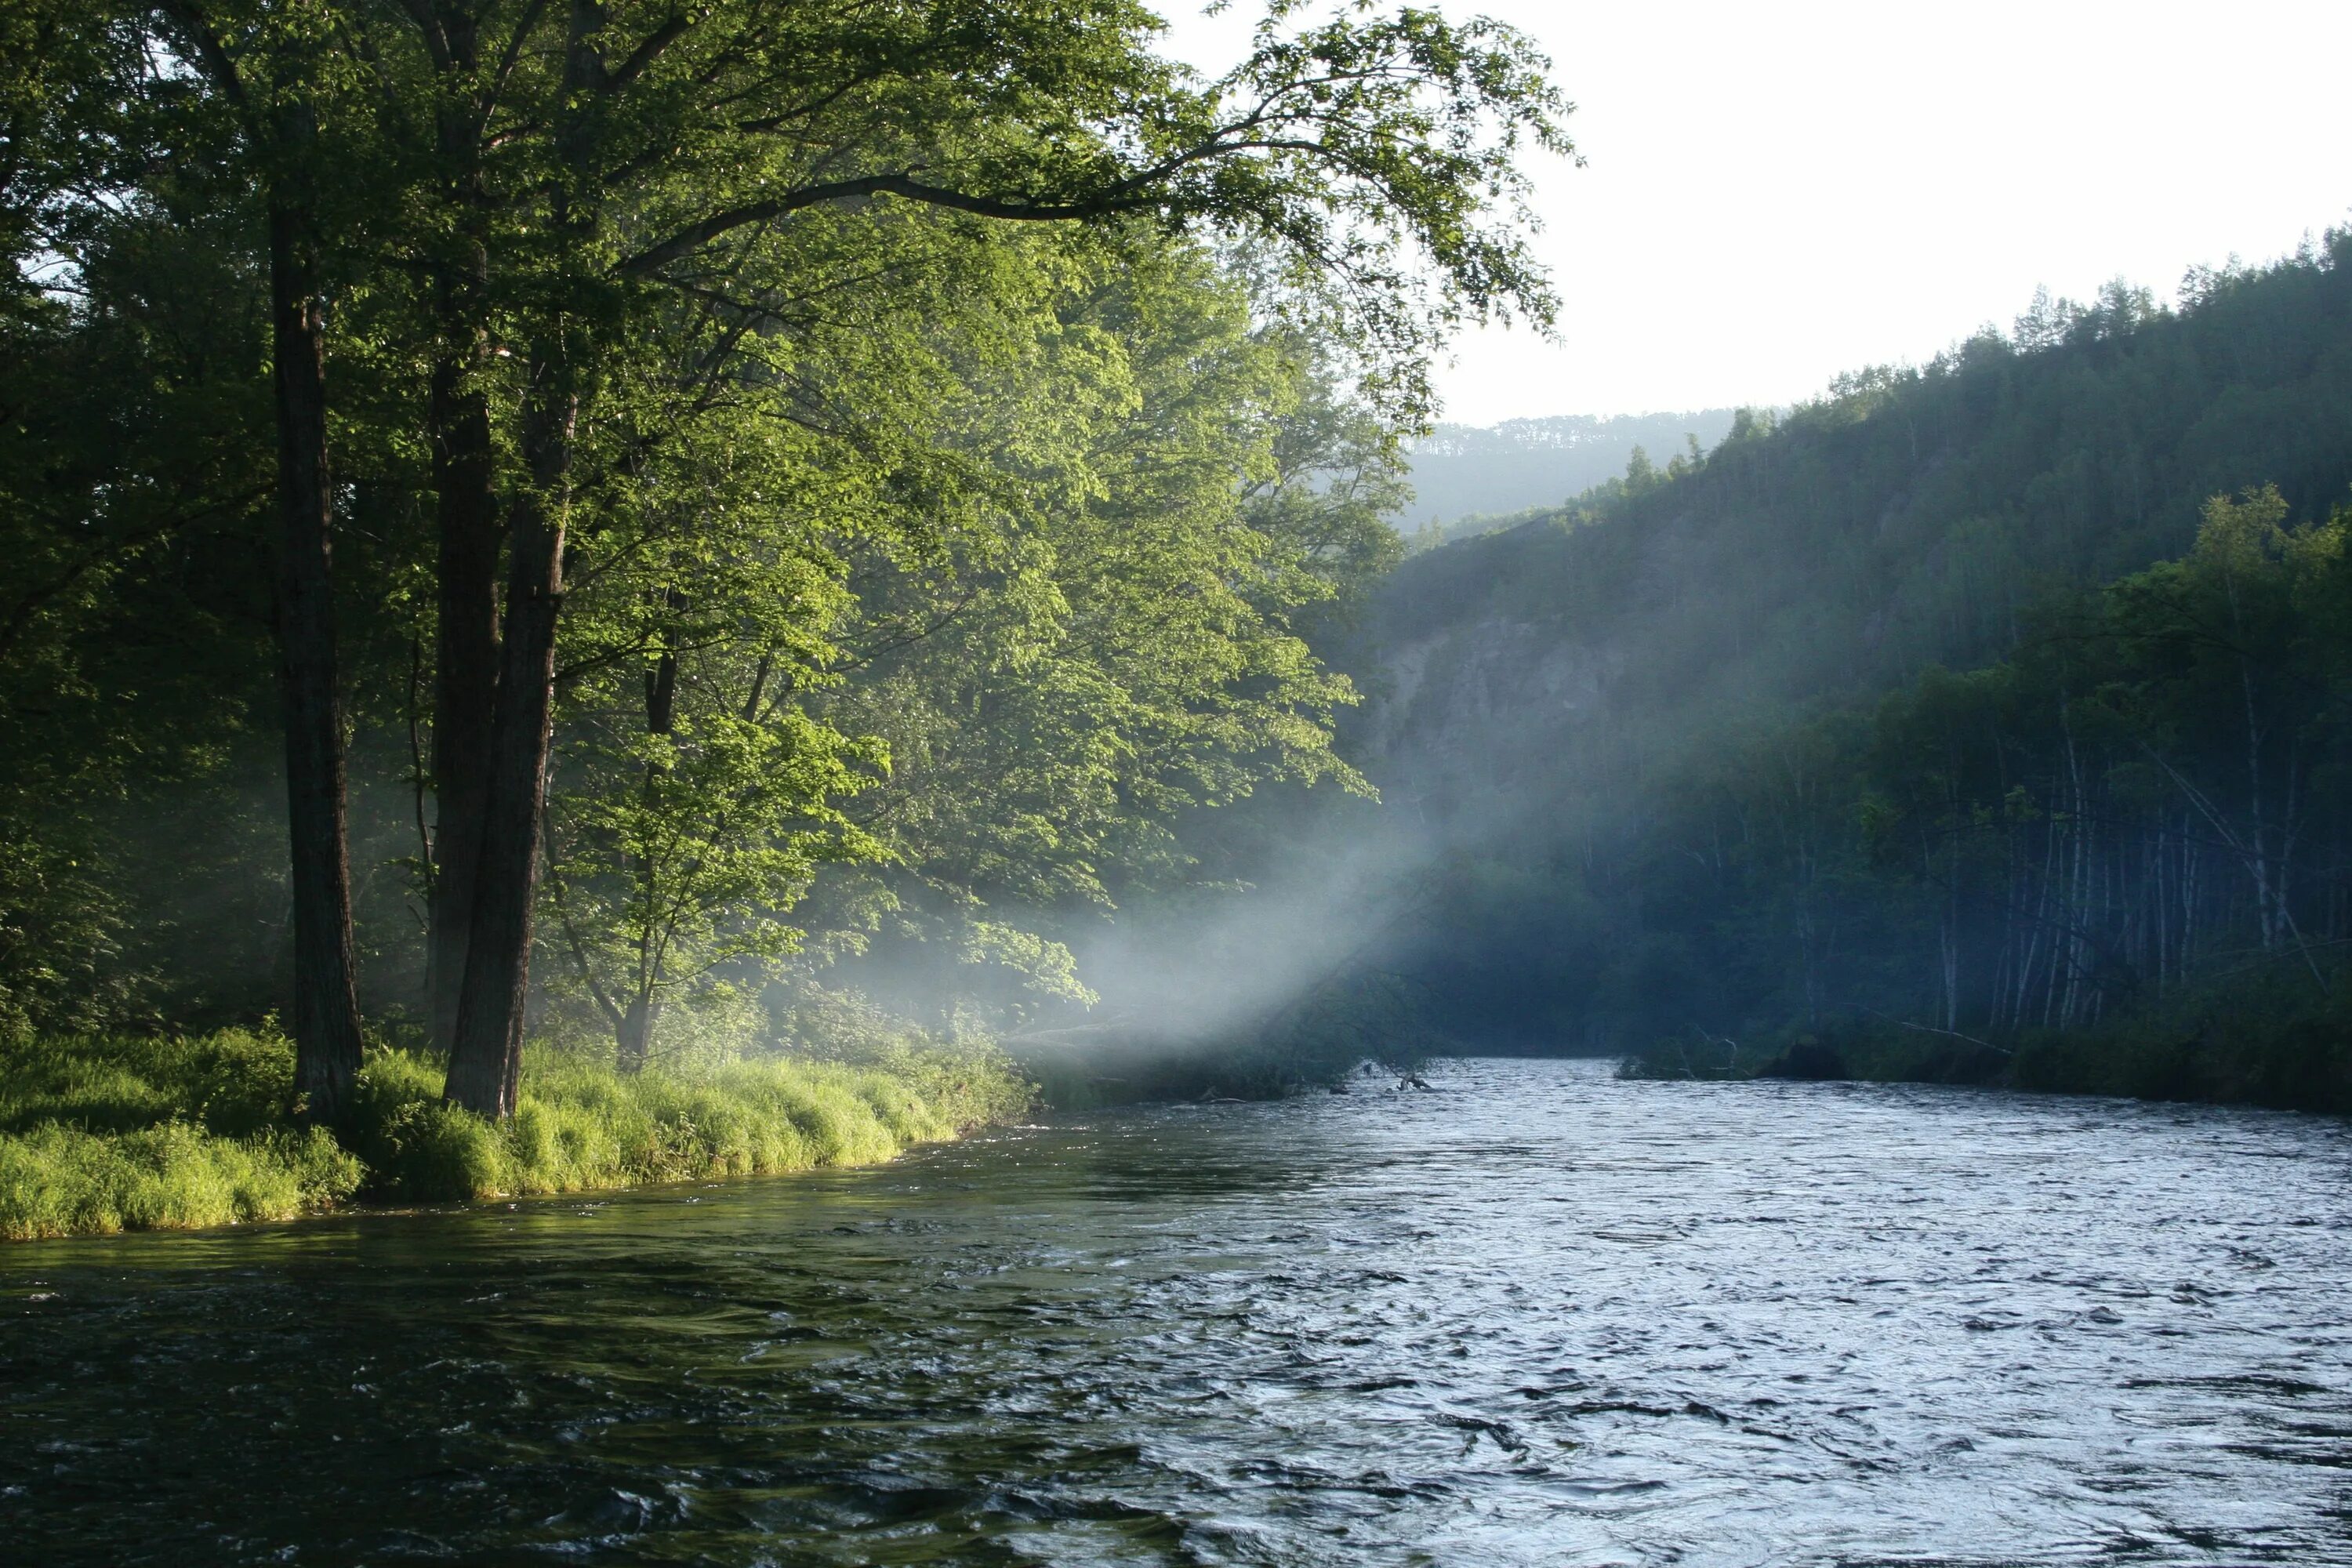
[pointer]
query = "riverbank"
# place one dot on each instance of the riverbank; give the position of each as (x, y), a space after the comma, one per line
(2225, 1047)
(105, 1133)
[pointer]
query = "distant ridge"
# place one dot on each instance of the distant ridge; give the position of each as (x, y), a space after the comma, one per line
(1465, 471)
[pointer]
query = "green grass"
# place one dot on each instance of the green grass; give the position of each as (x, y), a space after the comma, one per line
(59, 1180)
(583, 1126)
(105, 1133)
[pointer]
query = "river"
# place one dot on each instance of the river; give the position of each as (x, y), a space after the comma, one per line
(1533, 1315)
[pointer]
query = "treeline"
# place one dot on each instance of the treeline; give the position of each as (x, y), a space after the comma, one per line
(1985, 720)
(651, 505)
(2126, 850)
(2153, 787)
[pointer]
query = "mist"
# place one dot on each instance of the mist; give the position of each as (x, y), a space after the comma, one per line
(1467, 472)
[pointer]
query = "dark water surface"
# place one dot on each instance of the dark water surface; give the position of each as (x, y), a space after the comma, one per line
(1536, 1316)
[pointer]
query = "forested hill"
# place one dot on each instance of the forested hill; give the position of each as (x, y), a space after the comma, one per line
(1604, 714)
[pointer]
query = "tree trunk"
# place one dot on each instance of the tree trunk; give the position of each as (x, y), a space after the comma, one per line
(635, 1034)
(464, 484)
(486, 1049)
(327, 1042)
(466, 665)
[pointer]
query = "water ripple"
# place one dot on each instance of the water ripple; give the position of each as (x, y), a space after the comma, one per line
(1534, 1316)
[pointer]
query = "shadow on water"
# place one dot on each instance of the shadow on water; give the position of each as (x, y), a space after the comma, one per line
(1536, 1316)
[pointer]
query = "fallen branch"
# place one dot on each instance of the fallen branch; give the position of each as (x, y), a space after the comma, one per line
(1948, 1034)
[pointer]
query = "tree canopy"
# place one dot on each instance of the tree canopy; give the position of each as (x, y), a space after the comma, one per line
(752, 481)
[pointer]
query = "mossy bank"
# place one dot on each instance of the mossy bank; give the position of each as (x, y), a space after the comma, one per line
(121, 1133)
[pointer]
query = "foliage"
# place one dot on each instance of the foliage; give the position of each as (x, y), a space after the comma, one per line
(1131, 648)
(954, 425)
(788, 691)
(129, 483)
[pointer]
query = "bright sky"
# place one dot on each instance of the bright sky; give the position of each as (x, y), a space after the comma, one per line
(1778, 193)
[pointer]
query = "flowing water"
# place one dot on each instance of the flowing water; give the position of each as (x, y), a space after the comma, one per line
(1532, 1316)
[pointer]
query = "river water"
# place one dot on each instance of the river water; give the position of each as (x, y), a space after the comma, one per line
(1534, 1315)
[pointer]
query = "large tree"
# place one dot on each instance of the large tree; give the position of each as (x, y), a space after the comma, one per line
(590, 243)
(592, 165)
(102, 104)
(268, 66)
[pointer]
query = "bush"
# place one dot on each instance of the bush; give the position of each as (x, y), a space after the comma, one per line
(2294, 1052)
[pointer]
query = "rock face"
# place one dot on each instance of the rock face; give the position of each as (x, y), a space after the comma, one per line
(1468, 721)
(1536, 672)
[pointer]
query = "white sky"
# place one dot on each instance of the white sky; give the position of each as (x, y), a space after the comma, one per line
(1776, 192)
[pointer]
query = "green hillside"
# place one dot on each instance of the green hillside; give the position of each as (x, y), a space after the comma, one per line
(1691, 771)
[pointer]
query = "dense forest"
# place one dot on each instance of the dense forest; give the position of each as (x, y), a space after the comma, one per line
(1983, 718)
(658, 533)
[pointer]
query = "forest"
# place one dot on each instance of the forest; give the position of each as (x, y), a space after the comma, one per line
(603, 592)
(1983, 720)
(772, 792)
(662, 535)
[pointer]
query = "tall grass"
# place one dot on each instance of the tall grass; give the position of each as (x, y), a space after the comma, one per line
(580, 1125)
(102, 1134)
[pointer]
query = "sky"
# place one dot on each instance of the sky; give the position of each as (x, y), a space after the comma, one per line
(1775, 193)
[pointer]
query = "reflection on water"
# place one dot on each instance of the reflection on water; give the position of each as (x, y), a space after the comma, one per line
(1534, 1316)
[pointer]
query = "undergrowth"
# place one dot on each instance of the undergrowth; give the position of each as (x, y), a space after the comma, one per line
(102, 1133)
(2225, 1046)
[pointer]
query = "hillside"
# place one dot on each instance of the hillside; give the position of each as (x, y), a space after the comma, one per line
(1582, 711)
